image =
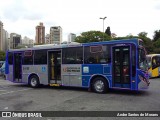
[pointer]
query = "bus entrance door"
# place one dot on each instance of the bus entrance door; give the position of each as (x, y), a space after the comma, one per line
(121, 66)
(54, 67)
(17, 67)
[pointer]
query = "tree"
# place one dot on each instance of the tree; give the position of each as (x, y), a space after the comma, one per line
(142, 34)
(20, 46)
(156, 42)
(126, 37)
(147, 42)
(156, 35)
(2, 56)
(113, 35)
(39, 43)
(156, 45)
(108, 31)
(92, 36)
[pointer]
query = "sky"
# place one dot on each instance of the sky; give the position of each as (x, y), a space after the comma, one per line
(76, 16)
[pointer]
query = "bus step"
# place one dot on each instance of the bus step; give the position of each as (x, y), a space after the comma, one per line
(54, 84)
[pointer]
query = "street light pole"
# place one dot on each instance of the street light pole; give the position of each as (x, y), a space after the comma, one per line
(103, 25)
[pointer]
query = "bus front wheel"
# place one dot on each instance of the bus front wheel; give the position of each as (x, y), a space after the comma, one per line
(34, 81)
(100, 85)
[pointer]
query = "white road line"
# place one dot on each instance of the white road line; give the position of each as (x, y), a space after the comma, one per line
(15, 91)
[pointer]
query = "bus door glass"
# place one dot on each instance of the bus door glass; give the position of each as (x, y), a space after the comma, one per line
(17, 67)
(121, 66)
(54, 66)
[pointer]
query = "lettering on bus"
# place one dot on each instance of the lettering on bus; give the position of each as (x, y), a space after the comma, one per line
(25, 68)
(71, 69)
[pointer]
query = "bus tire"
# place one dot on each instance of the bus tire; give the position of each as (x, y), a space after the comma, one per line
(34, 81)
(100, 85)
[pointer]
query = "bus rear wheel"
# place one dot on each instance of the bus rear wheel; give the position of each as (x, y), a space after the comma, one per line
(100, 85)
(34, 81)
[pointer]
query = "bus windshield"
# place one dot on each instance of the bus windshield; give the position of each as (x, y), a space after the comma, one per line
(142, 60)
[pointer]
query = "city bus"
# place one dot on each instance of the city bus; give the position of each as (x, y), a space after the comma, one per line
(98, 66)
(153, 65)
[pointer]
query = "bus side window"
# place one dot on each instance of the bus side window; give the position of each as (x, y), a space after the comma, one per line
(158, 61)
(91, 60)
(154, 65)
(27, 58)
(92, 55)
(72, 55)
(103, 60)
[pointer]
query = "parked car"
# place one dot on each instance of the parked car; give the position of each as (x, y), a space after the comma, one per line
(2, 70)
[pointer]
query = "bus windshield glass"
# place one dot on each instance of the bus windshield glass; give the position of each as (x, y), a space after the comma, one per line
(142, 60)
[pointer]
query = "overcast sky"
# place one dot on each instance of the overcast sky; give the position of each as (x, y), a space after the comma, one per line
(76, 16)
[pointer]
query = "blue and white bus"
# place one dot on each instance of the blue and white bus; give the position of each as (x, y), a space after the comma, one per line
(99, 66)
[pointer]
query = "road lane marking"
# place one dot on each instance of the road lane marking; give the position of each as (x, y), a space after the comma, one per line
(15, 91)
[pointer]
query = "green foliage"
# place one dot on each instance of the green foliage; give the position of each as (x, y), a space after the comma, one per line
(147, 42)
(92, 36)
(152, 46)
(156, 42)
(156, 35)
(38, 43)
(20, 46)
(142, 34)
(2, 56)
(156, 45)
(108, 31)
(127, 37)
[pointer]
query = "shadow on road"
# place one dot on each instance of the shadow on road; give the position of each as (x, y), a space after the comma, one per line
(111, 91)
(129, 92)
(155, 78)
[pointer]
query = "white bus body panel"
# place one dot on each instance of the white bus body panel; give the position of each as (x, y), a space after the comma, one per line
(71, 75)
(40, 70)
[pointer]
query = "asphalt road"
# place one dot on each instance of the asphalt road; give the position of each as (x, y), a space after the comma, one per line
(19, 97)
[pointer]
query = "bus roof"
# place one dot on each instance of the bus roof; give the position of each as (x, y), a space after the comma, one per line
(132, 40)
(75, 44)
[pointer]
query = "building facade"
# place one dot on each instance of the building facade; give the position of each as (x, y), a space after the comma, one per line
(1, 36)
(47, 38)
(71, 37)
(56, 35)
(5, 40)
(15, 40)
(27, 42)
(40, 33)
